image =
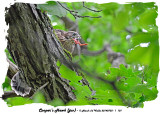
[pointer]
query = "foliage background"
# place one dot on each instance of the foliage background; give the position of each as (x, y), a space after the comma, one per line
(131, 30)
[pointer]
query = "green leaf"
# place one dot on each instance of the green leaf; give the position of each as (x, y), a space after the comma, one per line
(109, 8)
(121, 20)
(6, 85)
(132, 98)
(9, 56)
(18, 101)
(144, 38)
(148, 18)
(53, 8)
(113, 75)
(128, 83)
(56, 102)
(141, 55)
(145, 56)
(109, 97)
(69, 74)
(83, 101)
(150, 93)
(80, 90)
(39, 98)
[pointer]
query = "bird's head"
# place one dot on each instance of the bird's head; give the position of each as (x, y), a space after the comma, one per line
(71, 35)
(74, 36)
(69, 40)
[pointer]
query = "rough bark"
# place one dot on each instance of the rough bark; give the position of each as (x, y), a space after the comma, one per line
(35, 50)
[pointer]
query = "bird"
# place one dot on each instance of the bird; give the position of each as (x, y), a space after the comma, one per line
(70, 40)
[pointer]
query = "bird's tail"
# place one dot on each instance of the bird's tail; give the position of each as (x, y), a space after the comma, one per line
(19, 86)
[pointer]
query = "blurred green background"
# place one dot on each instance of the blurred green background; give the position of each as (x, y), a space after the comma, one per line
(131, 30)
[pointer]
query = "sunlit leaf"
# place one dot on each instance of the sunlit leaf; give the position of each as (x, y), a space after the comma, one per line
(18, 101)
(148, 18)
(56, 102)
(38, 98)
(53, 8)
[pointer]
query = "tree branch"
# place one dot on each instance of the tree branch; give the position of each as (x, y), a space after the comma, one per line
(75, 13)
(9, 94)
(69, 24)
(12, 70)
(91, 9)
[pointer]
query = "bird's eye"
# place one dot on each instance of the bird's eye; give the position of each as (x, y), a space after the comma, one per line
(74, 34)
(66, 37)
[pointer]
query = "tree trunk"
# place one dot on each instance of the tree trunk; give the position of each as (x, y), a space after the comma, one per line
(35, 50)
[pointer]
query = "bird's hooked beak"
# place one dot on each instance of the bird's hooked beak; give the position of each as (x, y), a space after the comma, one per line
(76, 39)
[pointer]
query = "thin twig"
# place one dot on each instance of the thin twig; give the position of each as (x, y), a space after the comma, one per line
(91, 9)
(87, 16)
(71, 11)
(74, 13)
(39, 89)
(66, 8)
